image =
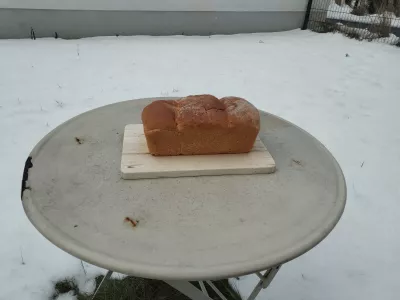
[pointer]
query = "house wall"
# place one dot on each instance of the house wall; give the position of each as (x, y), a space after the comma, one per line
(83, 18)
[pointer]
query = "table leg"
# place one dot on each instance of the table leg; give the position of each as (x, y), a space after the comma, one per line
(188, 289)
(203, 288)
(217, 291)
(193, 293)
(264, 282)
(108, 275)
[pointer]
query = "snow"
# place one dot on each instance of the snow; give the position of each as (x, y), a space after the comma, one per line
(349, 102)
(368, 35)
(67, 296)
(343, 13)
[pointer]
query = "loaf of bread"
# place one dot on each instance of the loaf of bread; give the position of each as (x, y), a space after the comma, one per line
(201, 124)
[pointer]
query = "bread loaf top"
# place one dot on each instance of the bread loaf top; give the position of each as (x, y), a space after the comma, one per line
(204, 111)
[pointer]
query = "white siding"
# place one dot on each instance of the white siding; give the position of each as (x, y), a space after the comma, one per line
(160, 5)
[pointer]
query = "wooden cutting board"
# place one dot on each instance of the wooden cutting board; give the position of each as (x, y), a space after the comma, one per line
(138, 163)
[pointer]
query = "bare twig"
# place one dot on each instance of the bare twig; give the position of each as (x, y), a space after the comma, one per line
(83, 267)
(59, 103)
(22, 258)
(33, 35)
(297, 162)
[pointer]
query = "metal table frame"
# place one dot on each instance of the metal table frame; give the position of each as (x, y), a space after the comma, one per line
(186, 288)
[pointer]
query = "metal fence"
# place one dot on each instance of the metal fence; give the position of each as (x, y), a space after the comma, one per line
(377, 20)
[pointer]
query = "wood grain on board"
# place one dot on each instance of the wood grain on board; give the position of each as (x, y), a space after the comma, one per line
(138, 163)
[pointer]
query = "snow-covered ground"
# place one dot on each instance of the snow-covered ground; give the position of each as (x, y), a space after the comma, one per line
(345, 92)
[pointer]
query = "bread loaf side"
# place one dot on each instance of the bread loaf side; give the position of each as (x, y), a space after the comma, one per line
(201, 124)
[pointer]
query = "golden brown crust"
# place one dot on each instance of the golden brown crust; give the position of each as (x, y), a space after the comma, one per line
(159, 114)
(204, 111)
(200, 124)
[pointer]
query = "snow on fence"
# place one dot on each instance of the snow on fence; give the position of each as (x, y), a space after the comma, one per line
(377, 20)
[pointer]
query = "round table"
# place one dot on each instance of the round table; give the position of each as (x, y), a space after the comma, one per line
(190, 228)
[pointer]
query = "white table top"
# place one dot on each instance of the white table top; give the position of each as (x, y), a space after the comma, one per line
(190, 228)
